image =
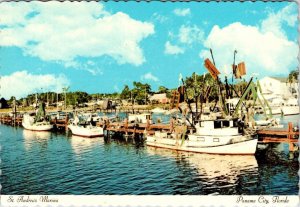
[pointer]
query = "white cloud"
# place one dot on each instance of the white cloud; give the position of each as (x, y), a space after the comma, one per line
(258, 47)
(149, 76)
(173, 49)
(182, 12)
(274, 22)
(190, 34)
(22, 83)
(62, 32)
(159, 18)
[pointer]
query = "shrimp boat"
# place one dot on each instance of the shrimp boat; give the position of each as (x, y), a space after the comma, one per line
(219, 136)
(85, 129)
(37, 122)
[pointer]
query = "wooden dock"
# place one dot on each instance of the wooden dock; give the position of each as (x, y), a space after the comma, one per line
(280, 136)
(289, 135)
(134, 128)
(15, 121)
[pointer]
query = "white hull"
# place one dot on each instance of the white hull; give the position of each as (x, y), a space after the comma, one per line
(290, 110)
(88, 131)
(28, 123)
(286, 110)
(243, 147)
(38, 126)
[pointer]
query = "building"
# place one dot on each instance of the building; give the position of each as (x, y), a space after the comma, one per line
(274, 87)
(159, 98)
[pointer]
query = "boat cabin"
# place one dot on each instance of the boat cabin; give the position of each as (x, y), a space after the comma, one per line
(218, 126)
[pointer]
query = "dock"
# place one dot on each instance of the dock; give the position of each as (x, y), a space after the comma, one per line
(274, 135)
(280, 136)
(134, 128)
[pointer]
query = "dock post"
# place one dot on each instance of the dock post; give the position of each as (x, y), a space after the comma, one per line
(14, 112)
(66, 122)
(126, 126)
(290, 136)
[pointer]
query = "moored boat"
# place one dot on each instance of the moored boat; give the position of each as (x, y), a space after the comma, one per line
(140, 118)
(38, 121)
(219, 136)
(29, 123)
(85, 130)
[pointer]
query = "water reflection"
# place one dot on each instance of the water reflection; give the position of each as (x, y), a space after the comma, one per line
(33, 137)
(218, 174)
(83, 144)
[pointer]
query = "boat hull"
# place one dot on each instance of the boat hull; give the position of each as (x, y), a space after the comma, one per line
(86, 131)
(290, 110)
(245, 147)
(46, 127)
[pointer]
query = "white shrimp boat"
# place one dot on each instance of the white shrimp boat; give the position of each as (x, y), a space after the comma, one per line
(29, 123)
(212, 136)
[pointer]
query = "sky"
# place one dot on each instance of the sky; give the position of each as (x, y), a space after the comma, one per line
(100, 47)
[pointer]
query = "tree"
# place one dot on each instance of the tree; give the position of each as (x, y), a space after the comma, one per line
(3, 103)
(126, 93)
(140, 92)
(162, 89)
(293, 76)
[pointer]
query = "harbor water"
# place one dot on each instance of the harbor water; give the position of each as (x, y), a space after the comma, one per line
(59, 163)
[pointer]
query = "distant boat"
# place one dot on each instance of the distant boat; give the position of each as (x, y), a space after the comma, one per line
(140, 118)
(219, 136)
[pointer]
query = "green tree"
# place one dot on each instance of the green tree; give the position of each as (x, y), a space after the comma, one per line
(293, 76)
(140, 92)
(162, 89)
(126, 93)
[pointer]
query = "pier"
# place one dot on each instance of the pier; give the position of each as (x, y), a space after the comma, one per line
(270, 135)
(280, 136)
(134, 128)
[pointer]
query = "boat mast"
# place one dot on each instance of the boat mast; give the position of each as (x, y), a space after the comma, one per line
(219, 85)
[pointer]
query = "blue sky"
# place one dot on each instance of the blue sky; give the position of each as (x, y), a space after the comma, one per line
(100, 47)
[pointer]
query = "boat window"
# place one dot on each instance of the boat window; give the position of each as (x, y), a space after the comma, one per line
(201, 139)
(217, 124)
(226, 123)
(216, 140)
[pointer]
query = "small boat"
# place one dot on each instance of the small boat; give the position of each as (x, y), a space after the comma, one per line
(140, 118)
(85, 130)
(30, 123)
(219, 136)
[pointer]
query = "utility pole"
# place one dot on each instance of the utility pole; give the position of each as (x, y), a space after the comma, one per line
(145, 95)
(57, 101)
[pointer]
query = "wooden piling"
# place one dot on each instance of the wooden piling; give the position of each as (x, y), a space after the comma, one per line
(290, 137)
